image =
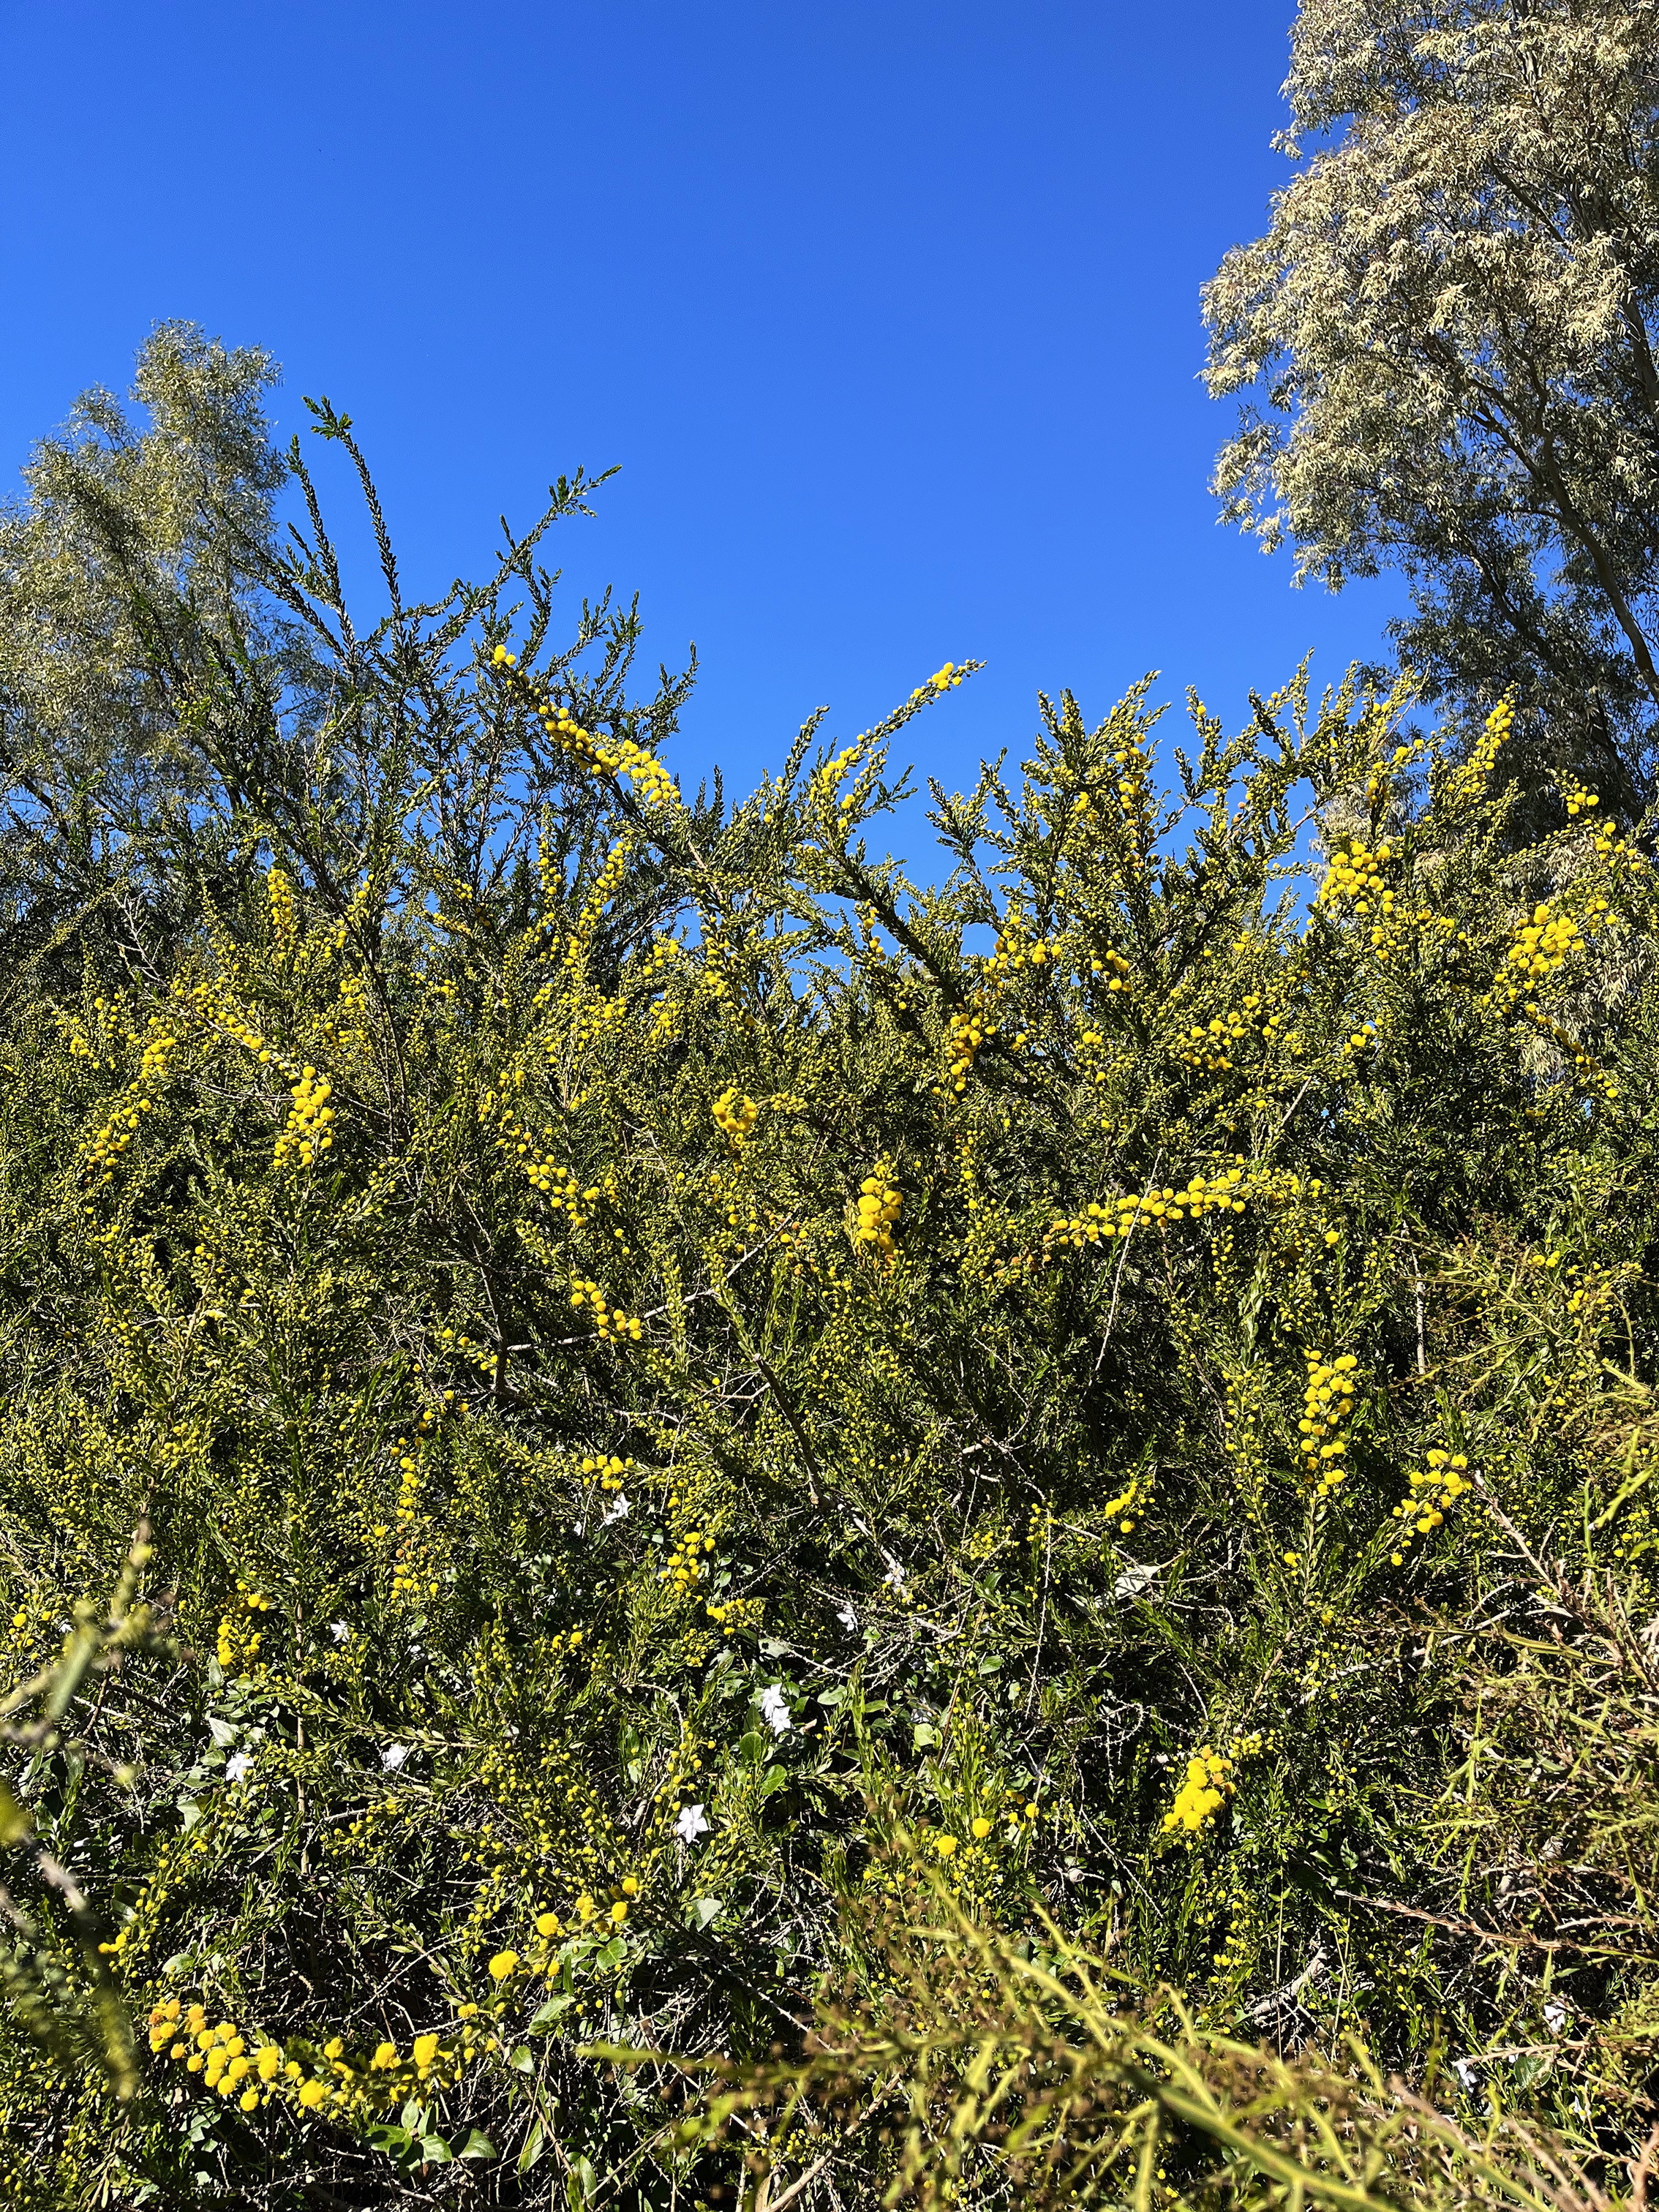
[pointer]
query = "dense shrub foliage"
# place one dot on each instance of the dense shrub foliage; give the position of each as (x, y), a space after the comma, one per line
(680, 1518)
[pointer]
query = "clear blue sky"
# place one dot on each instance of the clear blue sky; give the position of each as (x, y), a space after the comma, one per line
(889, 312)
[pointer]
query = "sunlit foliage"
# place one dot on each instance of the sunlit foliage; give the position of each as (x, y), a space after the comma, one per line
(611, 1411)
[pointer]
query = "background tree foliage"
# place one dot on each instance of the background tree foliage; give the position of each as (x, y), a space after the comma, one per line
(1447, 342)
(684, 1521)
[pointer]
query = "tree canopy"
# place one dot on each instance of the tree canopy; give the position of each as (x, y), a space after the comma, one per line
(1445, 343)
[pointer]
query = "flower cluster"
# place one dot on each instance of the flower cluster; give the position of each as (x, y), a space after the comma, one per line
(736, 1114)
(265, 2071)
(1014, 952)
(620, 756)
(108, 1143)
(219, 2052)
(106, 1147)
(880, 1203)
(1132, 788)
(239, 1640)
(965, 1035)
(411, 1574)
(944, 680)
(1207, 1784)
(610, 1321)
(1128, 1503)
(1202, 1195)
(1328, 1402)
(688, 1562)
(611, 1472)
(1206, 1043)
(558, 1184)
(1542, 945)
(1467, 784)
(309, 1132)
(1113, 966)
(279, 904)
(1356, 873)
(1435, 1488)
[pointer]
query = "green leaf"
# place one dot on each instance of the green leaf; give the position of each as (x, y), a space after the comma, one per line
(15, 1822)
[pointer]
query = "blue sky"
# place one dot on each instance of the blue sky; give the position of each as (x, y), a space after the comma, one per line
(888, 313)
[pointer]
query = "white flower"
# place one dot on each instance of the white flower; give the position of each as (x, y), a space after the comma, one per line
(338, 1630)
(616, 1510)
(774, 1709)
(239, 1765)
(691, 1824)
(1555, 2017)
(895, 1575)
(1467, 2071)
(393, 1756)
(847, 1618)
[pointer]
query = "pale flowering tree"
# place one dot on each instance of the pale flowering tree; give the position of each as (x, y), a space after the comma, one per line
(1445, 342)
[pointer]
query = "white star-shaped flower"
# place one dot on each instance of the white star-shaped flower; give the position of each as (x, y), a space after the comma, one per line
(239, 1765)
(774, 1709)
(691, 1824)
(393, 1756)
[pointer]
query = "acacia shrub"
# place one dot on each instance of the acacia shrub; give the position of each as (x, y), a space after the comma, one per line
(648, 1411)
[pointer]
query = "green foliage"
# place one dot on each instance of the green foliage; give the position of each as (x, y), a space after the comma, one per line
(696, 1410)
(1445, 344)
(1033, 2073)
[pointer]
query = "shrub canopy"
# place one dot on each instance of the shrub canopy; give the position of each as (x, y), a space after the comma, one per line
(621, 1424)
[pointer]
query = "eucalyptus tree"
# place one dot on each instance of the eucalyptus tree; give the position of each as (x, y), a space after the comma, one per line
(187, 664)
(1445, 346)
